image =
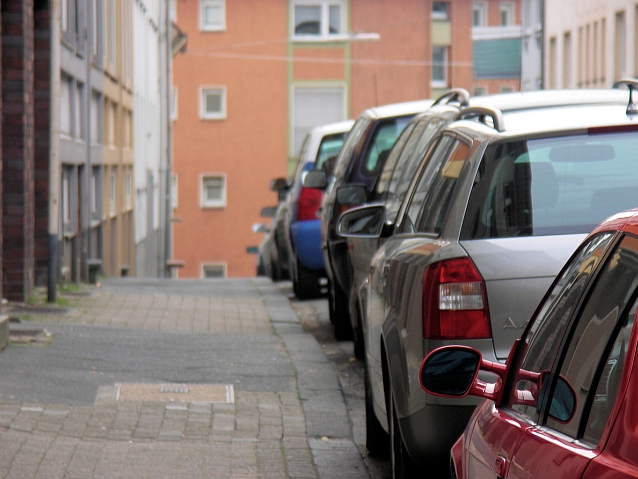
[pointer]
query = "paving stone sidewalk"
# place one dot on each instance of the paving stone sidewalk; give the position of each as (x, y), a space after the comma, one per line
(287, 417)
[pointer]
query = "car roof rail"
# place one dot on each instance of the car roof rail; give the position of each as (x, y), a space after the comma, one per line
(631, 84)
(460, 95)
(481, 112)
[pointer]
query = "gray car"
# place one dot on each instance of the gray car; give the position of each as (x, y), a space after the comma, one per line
(500, 201)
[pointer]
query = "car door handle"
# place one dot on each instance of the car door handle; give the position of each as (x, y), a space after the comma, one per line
(500, 467)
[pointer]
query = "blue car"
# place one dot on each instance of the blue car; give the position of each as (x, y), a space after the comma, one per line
(302, 226)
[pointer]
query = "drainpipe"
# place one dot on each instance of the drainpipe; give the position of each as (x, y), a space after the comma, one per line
(54, 150)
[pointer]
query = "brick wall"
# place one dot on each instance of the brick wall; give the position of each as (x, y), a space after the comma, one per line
(42, 84)
(18, 148)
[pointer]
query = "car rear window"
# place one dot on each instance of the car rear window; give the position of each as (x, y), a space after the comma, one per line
(552, 186)
(328, 151)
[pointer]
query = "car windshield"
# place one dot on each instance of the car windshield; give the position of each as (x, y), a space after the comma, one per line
(552, 186)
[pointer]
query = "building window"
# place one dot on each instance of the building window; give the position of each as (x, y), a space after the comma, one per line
(95, 117)
(95, 192)
(66, 122)
(507, 89)
(213, 194)
(508, 14)
(619, 50)
(174, 191)
(77, 107)
(567, 60)
(213, 270)
(174, 104)
(112, 38)
(112, 190)
(479, 91)
(66, 199)
(212, 15)
(112, 117)
(314, 19)
(213, 103)
(440, 11)
(64, 15)
(479, 14)
(129, 189)
(439, 66)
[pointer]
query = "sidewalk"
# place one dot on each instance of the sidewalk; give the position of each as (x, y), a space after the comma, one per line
(172, 379)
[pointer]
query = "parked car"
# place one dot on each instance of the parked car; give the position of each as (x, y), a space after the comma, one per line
(498, 204)
(564, 405)
(299, 233)
(265, 256)
(359, 163)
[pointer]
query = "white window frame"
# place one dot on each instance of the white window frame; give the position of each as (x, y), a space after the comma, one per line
(204, 201)
(221, 265)
(66, 109)
(441, 82)
(212, 89)
(174, 103)
(482, 9)
(129, 189)
(508, 9)
(324, 22)
(205, 27)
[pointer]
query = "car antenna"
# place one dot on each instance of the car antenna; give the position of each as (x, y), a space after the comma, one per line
(631, 84)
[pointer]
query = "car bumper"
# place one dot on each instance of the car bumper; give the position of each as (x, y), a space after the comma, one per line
(430, 433)
(306, 238)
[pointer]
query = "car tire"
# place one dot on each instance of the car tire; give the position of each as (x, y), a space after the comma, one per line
(306, 286)
(402, 465)
(339, 312)
(377, 439)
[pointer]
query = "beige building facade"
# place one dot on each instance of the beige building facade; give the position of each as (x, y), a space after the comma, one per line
(589, 43)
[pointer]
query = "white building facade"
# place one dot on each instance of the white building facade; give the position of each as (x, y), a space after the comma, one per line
(590, 43)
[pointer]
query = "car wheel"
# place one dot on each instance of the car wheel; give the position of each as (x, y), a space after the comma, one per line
(306, 285)
(377, 439)
(402, 465)
(339, 313)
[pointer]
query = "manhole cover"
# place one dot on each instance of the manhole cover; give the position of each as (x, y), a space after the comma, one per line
(27, 335)
(168, 392)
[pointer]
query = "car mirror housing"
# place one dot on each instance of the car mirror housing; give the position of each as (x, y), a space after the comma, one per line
(452, 371)
(364, 222)
(260, 228)
(351, 195)
(315, 179)
(278, 184)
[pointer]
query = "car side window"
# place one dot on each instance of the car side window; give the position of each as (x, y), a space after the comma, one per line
(545, 334)
(595, 355)
(420, 191)
(396, 153)
(407, 165)
(383, 139)
(350, 146)
(439, 194)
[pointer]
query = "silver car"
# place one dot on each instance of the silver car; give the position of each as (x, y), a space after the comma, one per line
(499, 203)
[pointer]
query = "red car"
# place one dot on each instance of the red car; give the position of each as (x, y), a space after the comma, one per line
(565, 403)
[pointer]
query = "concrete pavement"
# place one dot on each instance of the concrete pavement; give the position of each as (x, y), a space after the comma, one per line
(171, 379)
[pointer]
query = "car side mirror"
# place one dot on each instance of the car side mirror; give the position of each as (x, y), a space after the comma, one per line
(364, 222)
(351, 195)
(315, 179)
(452, 371)
(279, 184)
(268, 212)
(260, 228)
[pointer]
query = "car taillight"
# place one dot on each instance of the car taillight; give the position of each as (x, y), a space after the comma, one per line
(308, 204)
(454, 301)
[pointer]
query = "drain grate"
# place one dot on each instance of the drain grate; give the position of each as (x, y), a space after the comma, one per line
(204, 393)
(27, 335)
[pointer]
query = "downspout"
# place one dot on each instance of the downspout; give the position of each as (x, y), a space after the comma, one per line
(54, 150)
(168, 51)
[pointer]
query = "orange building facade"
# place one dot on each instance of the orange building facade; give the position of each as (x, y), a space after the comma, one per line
(257, 75)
